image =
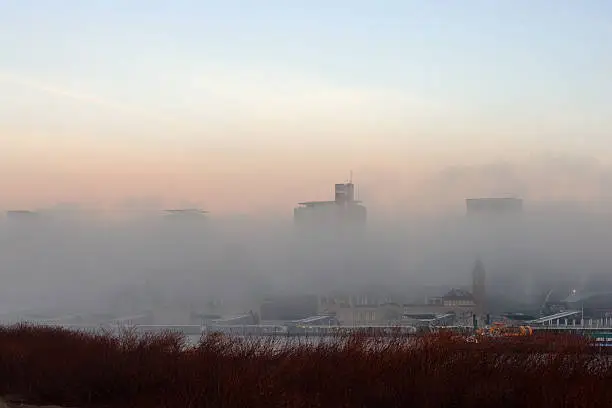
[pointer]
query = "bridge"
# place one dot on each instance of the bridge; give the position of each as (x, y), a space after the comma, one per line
(315, 321)
(555, 317)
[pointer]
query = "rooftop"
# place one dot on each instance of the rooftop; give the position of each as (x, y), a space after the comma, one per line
(494, 199)
(186, 211)
(314, 203)
(458, 294)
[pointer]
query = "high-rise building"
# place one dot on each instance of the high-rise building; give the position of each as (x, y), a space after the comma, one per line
(344, 210)
(345, 193)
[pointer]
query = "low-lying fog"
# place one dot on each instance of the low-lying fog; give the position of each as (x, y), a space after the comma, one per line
(72, 261)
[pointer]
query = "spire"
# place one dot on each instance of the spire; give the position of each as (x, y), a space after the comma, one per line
(478, 286)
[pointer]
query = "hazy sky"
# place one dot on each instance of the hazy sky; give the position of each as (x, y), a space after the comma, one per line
(255, 105)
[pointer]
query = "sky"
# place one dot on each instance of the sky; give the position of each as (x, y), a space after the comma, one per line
(252, 106)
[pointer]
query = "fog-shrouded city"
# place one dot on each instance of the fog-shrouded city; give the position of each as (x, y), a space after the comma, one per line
(305, 204)
(186, 266)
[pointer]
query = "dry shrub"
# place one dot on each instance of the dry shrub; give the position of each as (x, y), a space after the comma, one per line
(58, 366)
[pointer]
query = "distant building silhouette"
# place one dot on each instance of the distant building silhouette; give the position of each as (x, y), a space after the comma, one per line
(21, 215)
(185, 213)
(496, 229)
(344, 210)
(478, 287)
(453, 298)
(289, 307)
(493, 206)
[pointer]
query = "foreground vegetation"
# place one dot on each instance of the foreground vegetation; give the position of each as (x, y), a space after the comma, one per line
(55, 366)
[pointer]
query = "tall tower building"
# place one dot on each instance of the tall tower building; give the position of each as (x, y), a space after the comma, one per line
(329, 238)
(478, 287)
(497, 230)
(344, 210)
(345, 193)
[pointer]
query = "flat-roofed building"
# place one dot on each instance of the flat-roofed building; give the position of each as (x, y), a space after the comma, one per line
(344, 210)
(494, 206)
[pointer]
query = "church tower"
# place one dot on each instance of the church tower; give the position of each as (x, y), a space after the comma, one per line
(478, 287)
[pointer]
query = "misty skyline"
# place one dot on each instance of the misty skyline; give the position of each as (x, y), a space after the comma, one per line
(251, 108)
(59, 262)
(570, 181)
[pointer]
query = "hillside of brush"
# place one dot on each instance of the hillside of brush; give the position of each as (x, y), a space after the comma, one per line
(44, 365)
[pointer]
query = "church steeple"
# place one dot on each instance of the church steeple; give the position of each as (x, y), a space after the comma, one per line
(478, 286)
